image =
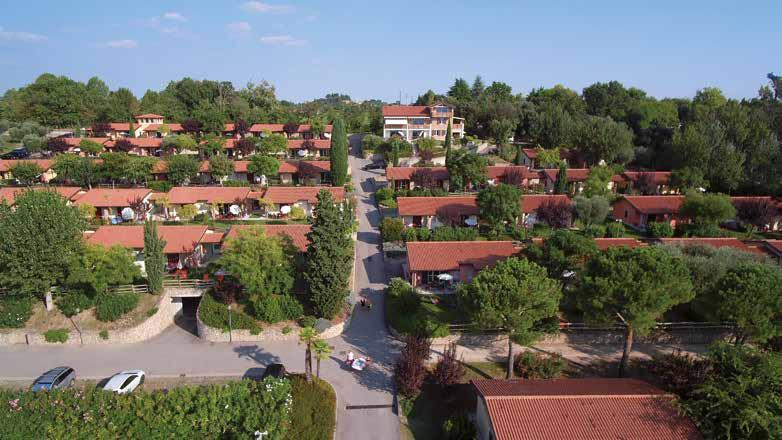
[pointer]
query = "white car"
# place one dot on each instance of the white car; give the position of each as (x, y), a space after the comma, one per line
(125, 382)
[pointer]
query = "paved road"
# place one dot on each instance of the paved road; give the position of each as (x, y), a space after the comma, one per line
(176, 352)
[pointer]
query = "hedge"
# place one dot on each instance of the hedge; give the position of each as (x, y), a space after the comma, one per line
(234, 410)
(15, 311)
(56, 335)
(111, 306)
(215, 314)
(313, 413)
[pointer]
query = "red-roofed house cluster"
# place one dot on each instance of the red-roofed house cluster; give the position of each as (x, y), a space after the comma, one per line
(412, 122)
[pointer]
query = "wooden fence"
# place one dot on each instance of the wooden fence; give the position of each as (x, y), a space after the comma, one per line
(135, 288)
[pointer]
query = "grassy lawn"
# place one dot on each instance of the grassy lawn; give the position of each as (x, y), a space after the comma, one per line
(436, 312)
(314, 404)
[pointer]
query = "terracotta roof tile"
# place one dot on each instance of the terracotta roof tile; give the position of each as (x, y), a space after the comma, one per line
(297, 233)
(319, 144)
(150, 116)
(583, 409)
(496, 171)
(306, 166)
(184, 195)
(179, 239)
(74, 142)
(465, 205)
(6, 165)
(775, 245)
(531, 202)
(174, 128)
(111, 198)
(448, 255)
(716, 242)
(278, 128)
(8, 194)
(293, 194)
(656, 177)
(406, 173)
(656, 204)
(605, 243)
(120, 126)
(405, 110)
(573, 174)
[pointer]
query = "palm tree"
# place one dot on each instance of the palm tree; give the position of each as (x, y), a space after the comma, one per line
(308, 336)
(322, 351)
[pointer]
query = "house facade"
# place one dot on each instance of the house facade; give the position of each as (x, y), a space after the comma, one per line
(109, 203)
(276, 200)
(214, 201)
(639, 211)
(47, 175)
(461, 260)
(576, 179)
(412, 122)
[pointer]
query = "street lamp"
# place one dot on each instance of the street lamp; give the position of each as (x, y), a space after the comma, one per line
(230, 327)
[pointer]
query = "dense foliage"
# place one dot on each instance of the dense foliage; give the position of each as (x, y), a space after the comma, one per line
(234, 410)
(215, 314)
(534, 365)
(339, 153)
(111, 306)
(154, 258)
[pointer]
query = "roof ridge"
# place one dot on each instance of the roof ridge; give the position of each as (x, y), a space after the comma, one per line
(579, 396)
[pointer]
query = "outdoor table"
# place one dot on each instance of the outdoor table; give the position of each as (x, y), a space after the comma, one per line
(359, 364)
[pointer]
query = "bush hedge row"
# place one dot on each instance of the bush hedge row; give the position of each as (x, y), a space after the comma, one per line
(215, 314)
(111, 306)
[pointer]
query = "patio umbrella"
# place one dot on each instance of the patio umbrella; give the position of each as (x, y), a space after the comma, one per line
(445, 277)
(471, 222)
(285, 209)
(235, 210)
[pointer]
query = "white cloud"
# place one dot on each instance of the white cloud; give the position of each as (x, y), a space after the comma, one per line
(27, 37)
(120, 44)
(282, 40)
(256, 6)
(239, 28)
(174, 16)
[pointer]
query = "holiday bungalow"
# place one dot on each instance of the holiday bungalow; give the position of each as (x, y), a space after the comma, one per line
(291, 131)
(299, 148)
(47, 173)
(296, 233)
(459, 261)
(763, 207)
(74, 145)
(567, 409)
(304, 172)
(137, 146)
(642, 182)
(639, 211)
(529, 158)
(576, 179)
(117, 204)
(186, 246)
(406, 177)
(215, 201)
(9, 194)
(279, 200)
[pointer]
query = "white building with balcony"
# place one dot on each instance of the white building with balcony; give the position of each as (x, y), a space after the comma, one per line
(411, 122)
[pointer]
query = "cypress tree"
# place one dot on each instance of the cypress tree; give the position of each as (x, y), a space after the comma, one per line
(154, 258)
(519, 155)
(560, 186)
(339, 153)
(131, 130)
(448, 142)
(329, 257)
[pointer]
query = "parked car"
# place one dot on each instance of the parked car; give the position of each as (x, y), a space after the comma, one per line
(60, 377)
(17, 153)
(274, 370)
(373, 166)
(125, 381)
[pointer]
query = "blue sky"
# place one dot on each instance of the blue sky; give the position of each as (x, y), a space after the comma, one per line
(372, 49)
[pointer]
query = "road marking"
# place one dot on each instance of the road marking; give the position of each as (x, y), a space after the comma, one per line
(368, 406)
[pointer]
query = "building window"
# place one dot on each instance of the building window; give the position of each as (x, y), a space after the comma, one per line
(442, 109)
(418, 121)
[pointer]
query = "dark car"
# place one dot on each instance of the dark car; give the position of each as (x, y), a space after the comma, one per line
(17, 153)
(55, 378)
(373, 166)
(274, 370)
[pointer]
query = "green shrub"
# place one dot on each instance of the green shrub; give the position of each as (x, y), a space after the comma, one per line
(111, 306)
(615, 230)
(151, 312)
(384, 193)
(424, 234)
(391, 229)
(595, 231)
(314, 409)
(160, 185)
(660, 229)
(233, 410)
(459, 427)
(215, 314)
(451, 233)
(286, 330)
(532, 365)
(267, 308)
(405, 297)
(307, 321)
(15, 311)
(235, 183)
(291, 307)
(68, 303)
(297, 213)
(200, 217)
(59, 335)
(410, 235)
(104, 334)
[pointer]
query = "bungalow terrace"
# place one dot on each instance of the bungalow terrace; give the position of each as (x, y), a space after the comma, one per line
(296, 233)
(304, 172)
(431, 212)
(110, 202)
(405, 177)
(9, 194)
(298, 148)
(45, 164)
(186, 246)
(216, 201)
(576, 179)
(639, 211)
(300, 131)
(281, 198)
(568, 409)
(461, 260)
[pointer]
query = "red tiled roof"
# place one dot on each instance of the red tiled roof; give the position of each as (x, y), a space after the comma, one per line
(466, 205)
(185, 195)
(293, 194)
(583, 409)
(656, 204)
(111, 198)
(406, 173)
(605, 243)
(9, 194)
(320, 144)
(405, 110)
(573, 174)
(718, 242)
(306, 166)
(744, 199)
(775, 245)
(119, 126)
(74, 142)
(179, 239)
(149, 116)
(449, 255)
(278, 128)
(297, 233)
(171, 127)
(140, 142)
(6, 165)
(656, 177)
(496, 171)
(461, 205)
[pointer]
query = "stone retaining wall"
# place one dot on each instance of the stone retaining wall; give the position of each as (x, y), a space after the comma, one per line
(167, 308)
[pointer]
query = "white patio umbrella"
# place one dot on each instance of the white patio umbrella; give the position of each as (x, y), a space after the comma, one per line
(285, 209)
(235, 209)
(445, 277)
(471, 221)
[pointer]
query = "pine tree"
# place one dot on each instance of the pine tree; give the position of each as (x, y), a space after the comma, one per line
(339, 153)
(154, 258)
(329, 256)
(448, 142)
(560, 186)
